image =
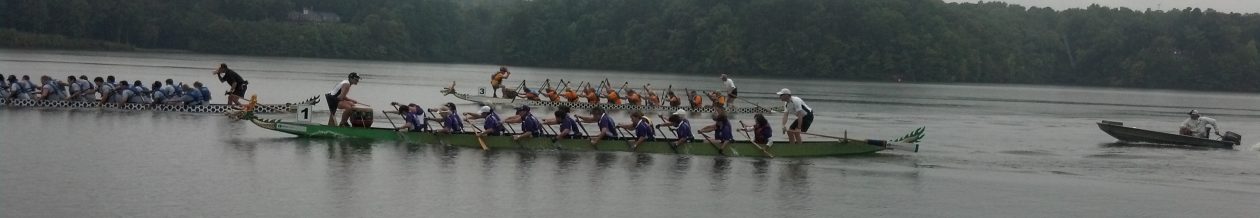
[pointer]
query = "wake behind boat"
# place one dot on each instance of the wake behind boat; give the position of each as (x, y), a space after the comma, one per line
(1131, 134)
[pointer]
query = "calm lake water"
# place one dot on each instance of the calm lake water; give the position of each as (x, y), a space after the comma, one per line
(990, 151)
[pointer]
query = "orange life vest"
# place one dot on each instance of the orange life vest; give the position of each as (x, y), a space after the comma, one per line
(570, 95)
(591, 97)
(635, 99)
(552, 95)
(697, 101)
(613, 98)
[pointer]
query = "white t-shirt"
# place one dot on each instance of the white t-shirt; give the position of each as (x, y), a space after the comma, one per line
(336, 92)
(729, 85)
(795, 105)
(1199, 126)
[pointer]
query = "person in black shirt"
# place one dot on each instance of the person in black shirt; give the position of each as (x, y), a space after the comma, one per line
(236, 84)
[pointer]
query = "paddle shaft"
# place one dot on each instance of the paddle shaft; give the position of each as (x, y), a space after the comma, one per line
(481, 141)
(754, 141)
(715, 146)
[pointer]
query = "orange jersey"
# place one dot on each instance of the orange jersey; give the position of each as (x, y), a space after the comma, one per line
(719, 101)
(570, 95)
(613, 98)
(635, 99)
(552, 95)
(697, 101)
(592, 98)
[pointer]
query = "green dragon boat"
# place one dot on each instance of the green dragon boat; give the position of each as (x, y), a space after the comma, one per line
(839, 147)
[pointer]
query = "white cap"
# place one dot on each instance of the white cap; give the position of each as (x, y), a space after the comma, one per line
(680, 112)
(484, 109)
(784, 91)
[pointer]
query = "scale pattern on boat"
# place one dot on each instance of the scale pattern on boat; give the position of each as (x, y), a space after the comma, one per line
(213, 108)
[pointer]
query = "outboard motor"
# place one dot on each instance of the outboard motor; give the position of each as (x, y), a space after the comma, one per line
(1232, 137)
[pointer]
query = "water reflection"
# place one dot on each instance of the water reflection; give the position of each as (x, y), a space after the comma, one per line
(761, 169)
(794, 187)
(718, 174)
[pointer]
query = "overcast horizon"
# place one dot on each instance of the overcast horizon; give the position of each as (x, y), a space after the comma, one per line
(1238, 6)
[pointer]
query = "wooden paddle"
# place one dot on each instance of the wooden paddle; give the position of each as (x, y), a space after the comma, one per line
(391, 123)
(715, 146)
(754, 141)
(480, 140)
(671, 128)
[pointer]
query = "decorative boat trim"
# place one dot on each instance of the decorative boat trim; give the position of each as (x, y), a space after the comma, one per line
(212, 108)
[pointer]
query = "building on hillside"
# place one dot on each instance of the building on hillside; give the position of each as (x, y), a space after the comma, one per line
(309, 15)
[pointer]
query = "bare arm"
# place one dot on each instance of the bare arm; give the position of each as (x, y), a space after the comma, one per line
(345, 94)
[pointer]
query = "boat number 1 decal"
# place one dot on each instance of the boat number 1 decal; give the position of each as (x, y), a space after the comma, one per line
(304, 113)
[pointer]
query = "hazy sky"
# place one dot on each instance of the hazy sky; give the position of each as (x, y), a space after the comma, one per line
(1240, 6)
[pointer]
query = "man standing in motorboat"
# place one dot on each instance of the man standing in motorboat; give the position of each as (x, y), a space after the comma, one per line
(1197, 125)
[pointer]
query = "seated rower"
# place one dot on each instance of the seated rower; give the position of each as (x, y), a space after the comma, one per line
(530, 126)
(191, 97)
(568, 125)
(123, 93)
(696, 100)
(607, 127)
(52, 89)
(552, 94)
(4, 87)
(721, 129)
(105, 90)
(761, 130)
(493, 125)
(653, 99)
(642, 129)
(143, 94)
(570, 95)
(1197, 125)
(449, 117)
(613, 97)
(719, 101)
(591, 96)
(633, 97)
(80, 89)
(673, 99)
(205, 92)
(411, 118)
(531, 95)
(682, 127)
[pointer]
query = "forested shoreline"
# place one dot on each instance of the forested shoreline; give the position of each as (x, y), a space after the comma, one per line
(870, 40)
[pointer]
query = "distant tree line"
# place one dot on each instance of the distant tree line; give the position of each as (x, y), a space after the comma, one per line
(876, 40)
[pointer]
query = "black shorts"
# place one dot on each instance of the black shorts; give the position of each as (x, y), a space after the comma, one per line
(809, 118)
(734, 93)
(332, 102)
(239, 90)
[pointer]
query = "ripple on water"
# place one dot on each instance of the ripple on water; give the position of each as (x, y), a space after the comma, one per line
(1030, 152)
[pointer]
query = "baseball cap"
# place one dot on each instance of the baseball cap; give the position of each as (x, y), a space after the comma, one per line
(680, 112)
(522, 108)
(354, 75)
(484, 109)
(784, 91)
